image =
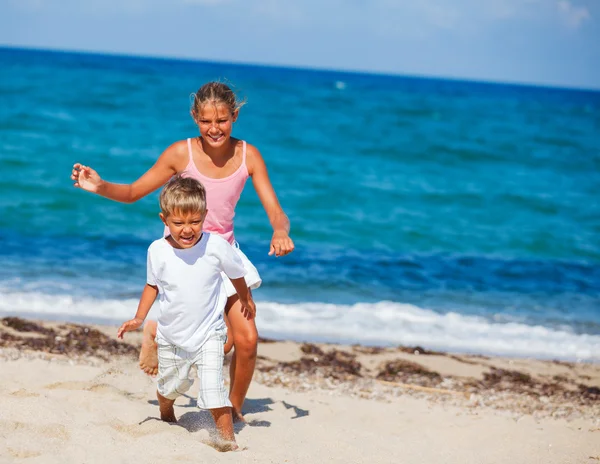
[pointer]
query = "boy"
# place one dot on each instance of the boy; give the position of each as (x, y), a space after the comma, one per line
(184, 271)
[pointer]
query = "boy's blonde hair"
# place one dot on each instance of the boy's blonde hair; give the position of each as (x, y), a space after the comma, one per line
(183, 195)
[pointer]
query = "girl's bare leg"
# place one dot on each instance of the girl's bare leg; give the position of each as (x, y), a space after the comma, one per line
(149, 350)
(165, 405)
(229, 342)
(245, 340)
(222, 417)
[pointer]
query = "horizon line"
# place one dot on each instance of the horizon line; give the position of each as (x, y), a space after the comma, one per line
(301, 68)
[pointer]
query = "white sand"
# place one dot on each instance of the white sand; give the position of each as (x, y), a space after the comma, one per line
(80, 409)
(62, 412)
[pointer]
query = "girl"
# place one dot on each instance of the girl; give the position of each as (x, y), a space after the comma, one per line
(222, 164)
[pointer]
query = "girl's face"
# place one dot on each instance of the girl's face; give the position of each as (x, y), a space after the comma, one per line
(215, 122)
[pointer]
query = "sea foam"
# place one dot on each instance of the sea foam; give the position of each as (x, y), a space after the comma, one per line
(384, 323)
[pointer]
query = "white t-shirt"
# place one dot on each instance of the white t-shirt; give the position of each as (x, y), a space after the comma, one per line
(191, 294)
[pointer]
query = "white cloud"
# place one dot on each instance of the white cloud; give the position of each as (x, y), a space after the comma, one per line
(573, 15)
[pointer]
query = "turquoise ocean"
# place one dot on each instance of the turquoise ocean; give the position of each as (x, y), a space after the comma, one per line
(448, 214)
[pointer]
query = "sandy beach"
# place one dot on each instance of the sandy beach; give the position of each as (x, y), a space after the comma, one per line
(71, 393)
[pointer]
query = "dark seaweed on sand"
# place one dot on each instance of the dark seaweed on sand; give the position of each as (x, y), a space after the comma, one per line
(21, 325)
(420, 350)
(404, 371)
(67, 339)
(518, 382)
(336, 364)
(309, 348)
(495, 380)
(368, 349)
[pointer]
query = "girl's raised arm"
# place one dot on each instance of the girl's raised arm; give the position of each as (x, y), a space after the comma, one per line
(165, 167)
(281, 243)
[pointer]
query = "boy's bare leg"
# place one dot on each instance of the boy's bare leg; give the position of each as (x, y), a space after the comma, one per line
(149, 350)
(165, 405)
(241, 370)
(241, 332)
(224, 423)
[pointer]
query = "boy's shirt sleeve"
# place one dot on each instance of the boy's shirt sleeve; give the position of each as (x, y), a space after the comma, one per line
(150, 277)
(231, 263)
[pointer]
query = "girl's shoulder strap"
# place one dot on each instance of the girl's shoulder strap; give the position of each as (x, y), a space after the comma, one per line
(189, 144)
(243, 152)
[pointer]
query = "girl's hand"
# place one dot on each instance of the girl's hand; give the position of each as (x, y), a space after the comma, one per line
(85, 178)
(129, 326)
(281, 244)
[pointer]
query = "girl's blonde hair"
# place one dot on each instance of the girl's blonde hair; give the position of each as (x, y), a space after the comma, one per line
(216, 93)
(183, 195)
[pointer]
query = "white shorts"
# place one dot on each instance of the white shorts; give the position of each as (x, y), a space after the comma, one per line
(175, 376)
(252, 277)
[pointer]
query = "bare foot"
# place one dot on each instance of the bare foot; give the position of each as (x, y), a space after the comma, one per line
(224, 445)
(165, 406)
(237, 416)
(149, 351)
(167, 413)
(168, 416)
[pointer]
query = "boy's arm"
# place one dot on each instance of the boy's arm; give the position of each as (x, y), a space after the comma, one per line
(146, 300)
(248, 306)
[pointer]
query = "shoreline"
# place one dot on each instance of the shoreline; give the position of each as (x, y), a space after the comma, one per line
(81, 392)
(319, 339)
(542, 388)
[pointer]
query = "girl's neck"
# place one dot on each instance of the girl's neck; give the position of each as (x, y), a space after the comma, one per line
(222, 153)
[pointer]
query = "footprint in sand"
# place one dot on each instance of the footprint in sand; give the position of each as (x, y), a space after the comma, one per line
(23, 454)
(22, 393)
(96, 388)
(138, 430)
(67, 386)
(52, 431)
(29, 440)
(152, 426)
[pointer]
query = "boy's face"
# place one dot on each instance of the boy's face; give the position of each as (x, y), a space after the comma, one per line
(185, 229)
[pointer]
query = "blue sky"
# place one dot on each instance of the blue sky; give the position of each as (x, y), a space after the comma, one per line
(533, 41)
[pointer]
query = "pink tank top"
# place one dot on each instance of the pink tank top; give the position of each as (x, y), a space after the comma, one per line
(222, 195)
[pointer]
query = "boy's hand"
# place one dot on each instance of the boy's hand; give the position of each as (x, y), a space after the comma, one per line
(281, 244)
(85, 178)
(248, 308)
(129, 326)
